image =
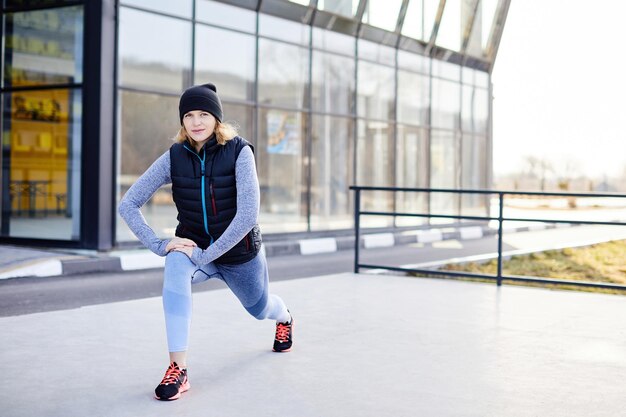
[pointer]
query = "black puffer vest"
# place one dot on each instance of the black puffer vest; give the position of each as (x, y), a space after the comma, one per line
(205, 193)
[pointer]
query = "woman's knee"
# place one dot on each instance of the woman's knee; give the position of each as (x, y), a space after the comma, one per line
(177, 264)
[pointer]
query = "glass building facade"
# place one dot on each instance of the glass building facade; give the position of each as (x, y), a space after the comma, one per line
(330, 93)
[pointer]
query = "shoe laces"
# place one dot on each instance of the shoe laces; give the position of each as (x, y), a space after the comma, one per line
(282, 331)
(172, 374)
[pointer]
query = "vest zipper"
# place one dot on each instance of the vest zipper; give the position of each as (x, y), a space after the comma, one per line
(206, 223)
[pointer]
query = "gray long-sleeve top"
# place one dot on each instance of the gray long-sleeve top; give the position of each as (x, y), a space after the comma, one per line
(248, 200)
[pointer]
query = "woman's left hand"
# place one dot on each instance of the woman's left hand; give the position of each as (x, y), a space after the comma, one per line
(187, 250)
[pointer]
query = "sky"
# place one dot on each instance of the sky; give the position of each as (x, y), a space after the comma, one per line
(559, 86)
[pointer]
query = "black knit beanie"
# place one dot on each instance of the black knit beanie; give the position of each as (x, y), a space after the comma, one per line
(200, 97)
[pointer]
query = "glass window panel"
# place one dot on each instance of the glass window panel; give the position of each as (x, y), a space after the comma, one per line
(227, 59)
(475, 111)
(413, 98)
(377, 52)
(148, 122)
(43, 47)
(177, 8)
(413, 25)
(332, 41)
(302, 2)
(468, 75)
(430, 13)
(375, 164)
(155, 51)
(376, 88)
(446, 104)
(382, 13)
(474, 174)
(411, 172)
(283, 74)
(474, 47)
(242, 118)
(413, 62)
(226, 15)
(488, 10)
(482, 79)
(341, 7)
(333, 83)
(444, 163)
(41, 164)
(332, 161)
(283, 29)
(446, 70)
(450, 31)
(36, 3)
(282, 171)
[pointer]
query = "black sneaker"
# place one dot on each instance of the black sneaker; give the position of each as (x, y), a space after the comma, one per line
(283, 339)
(173, 384)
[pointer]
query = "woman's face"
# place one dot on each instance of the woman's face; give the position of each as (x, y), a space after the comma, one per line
(199, 125)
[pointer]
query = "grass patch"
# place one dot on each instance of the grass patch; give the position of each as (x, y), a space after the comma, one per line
(603, 262)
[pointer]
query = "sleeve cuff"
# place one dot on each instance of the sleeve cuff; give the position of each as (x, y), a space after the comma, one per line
(196, 255)
(162, 247)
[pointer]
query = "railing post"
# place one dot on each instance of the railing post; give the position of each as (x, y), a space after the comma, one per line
(500, 221)
(357, 218)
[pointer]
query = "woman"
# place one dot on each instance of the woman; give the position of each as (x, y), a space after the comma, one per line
(216, 192)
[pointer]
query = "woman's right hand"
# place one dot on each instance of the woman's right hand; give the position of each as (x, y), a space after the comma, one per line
(179, 242)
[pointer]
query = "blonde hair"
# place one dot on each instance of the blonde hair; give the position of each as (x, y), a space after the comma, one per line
(223, 133)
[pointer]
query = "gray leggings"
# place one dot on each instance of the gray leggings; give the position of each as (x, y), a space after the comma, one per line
(248, 281)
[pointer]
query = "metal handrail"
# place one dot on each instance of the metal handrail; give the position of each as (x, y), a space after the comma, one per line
(500, 219)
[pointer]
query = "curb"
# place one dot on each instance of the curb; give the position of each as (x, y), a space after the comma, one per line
(143, 259)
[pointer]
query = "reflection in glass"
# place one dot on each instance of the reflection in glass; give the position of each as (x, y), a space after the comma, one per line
(376, 86)
(36, 3)
(333, 41)
(474, 174)
(413, 25)
(450, 30)
(413, 62)
(43, 47)
(446, 70)
(333, 83)
(177, 8)
(148, 122)
(430, 13)
(281, 168)
(375, 164)
(413, 98)
(342, 7)
(41, 164)
(377, 52)
(411, 172)
(382, 13)
(225, 15)
(283, 74)
(234, 76)
(155, 51)
(242, 118)
(283, 29)
(444, 171)
(331, 173)
(475, 111)
(446, 104)
(482, 79)
(488, 11)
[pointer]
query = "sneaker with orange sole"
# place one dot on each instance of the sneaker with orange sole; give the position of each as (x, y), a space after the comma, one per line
(284, 336)
(174, 383)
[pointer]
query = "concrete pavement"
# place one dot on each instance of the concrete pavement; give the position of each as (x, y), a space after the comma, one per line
(364, 346)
